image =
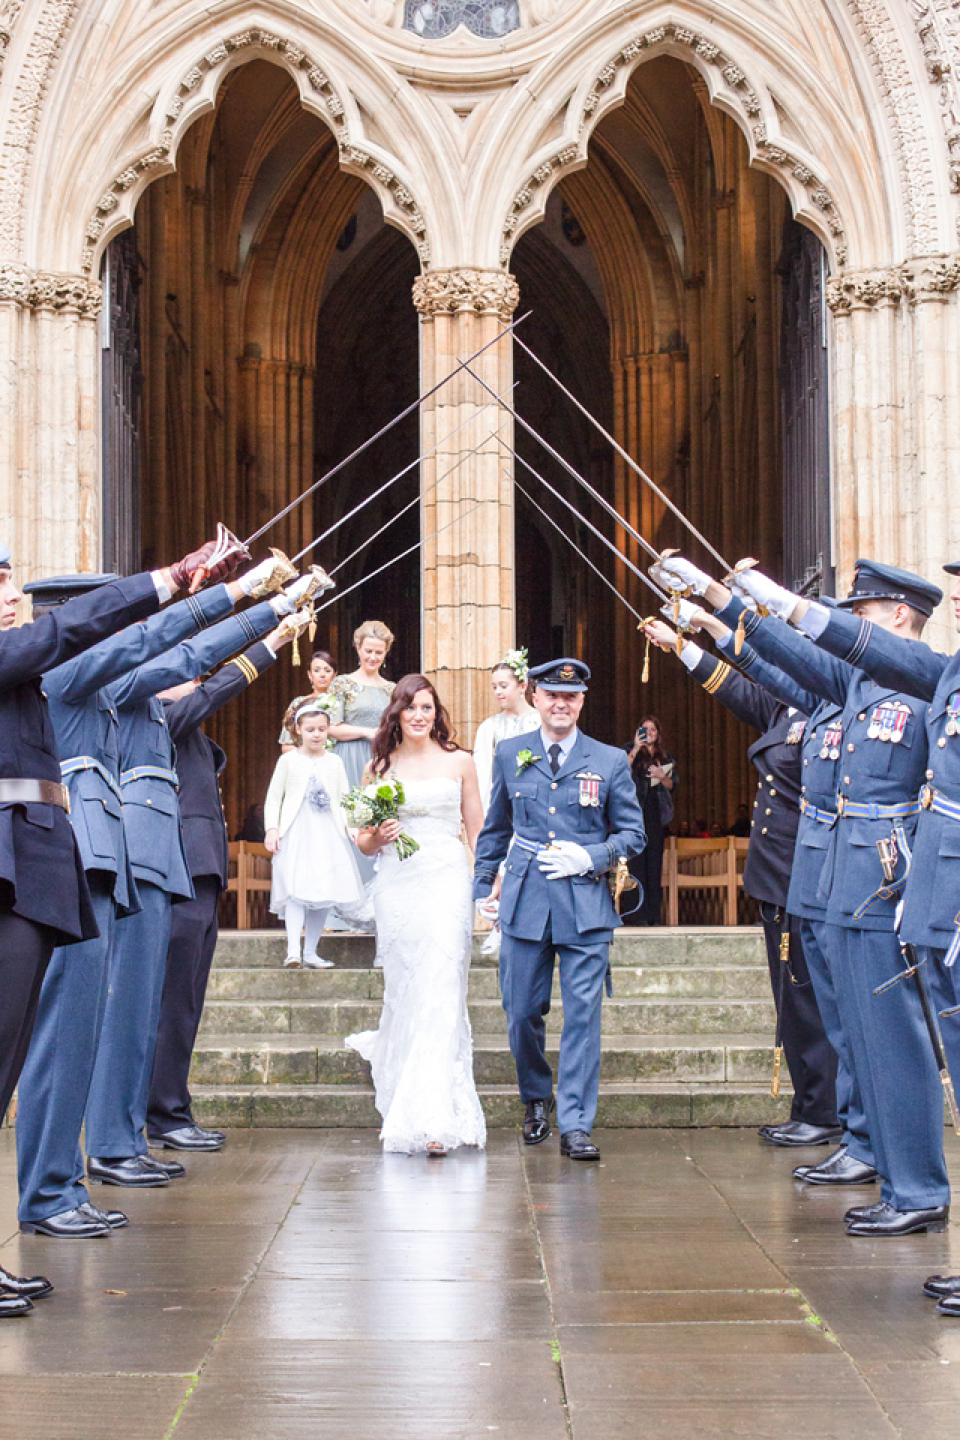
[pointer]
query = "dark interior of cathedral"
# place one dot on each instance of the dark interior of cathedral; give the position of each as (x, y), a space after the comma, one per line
(260, 327)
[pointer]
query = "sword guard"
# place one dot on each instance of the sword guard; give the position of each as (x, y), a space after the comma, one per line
(954, 1010)
(281, 574)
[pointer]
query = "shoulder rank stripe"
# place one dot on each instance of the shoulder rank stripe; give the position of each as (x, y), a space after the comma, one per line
(246, 668)
(713, 683)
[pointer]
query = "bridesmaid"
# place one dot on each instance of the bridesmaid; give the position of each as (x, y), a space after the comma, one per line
(321, 674)
(516, 716)
(360, 699)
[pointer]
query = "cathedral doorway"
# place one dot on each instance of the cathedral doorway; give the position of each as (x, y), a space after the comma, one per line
(261, 328)
(676, 297)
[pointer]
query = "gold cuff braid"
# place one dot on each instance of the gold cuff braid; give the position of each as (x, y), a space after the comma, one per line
(713, 683)
(246, 668)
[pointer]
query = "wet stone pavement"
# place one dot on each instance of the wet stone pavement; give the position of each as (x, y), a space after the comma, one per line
(301, 1285)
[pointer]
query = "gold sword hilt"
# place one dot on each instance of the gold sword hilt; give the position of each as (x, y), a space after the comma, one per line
(777, 1060)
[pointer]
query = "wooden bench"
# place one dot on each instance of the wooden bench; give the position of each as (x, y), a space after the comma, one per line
(249, 875)
(704, 865)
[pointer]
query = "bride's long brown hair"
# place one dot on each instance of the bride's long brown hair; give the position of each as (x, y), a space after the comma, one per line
(389, 736)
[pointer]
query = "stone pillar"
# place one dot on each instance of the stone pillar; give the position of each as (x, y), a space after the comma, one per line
(467, 571)
(49, 458)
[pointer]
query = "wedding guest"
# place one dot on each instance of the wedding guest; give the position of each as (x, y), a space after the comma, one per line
(314, 865)
(516, 717)
(321, 673)
(654, 774)
(252, 826)
(360, 700)
(741, 823)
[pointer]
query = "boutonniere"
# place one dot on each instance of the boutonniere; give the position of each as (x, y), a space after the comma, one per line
(525, 758)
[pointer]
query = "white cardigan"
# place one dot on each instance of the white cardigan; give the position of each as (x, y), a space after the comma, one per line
(289, 785)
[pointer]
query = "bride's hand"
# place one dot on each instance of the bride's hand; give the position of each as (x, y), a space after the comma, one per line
(388, 831)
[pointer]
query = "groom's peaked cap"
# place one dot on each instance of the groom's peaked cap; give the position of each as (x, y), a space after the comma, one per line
(563, 675)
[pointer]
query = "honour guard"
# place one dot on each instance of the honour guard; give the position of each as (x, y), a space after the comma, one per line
(193, 923)
(772, 703)
(883, 764)
(563, 813)
(44, 897)
(116, 1108)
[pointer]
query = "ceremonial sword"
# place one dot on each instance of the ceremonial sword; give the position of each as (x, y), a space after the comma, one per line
(576, 548)
(625, 456)
(912, 972)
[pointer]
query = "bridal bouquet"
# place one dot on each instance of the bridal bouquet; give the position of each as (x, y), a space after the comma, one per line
(372, 804)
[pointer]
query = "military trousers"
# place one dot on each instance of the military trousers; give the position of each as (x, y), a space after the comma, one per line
(834, 1000)
(526, 980)
(56, 1077)
(25, 950)
(193, 939)
(117, 1106)
(811, 1059)
(893, 1059)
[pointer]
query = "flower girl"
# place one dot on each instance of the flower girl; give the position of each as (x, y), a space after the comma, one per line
(314, 865)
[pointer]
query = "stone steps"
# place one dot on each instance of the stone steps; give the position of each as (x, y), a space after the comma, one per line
(687, 1038)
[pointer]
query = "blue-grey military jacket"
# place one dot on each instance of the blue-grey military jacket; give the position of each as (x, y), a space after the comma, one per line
(148, 778)
(85, 723)
(931, 899)
(41, 869)
(873, 770)
(592, 801)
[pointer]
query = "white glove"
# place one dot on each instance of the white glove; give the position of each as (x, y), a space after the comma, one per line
(488, 908)
(286, 602)
(766, 592)
(686, 609)
(675, 573)
(563, 859)
(257, 576)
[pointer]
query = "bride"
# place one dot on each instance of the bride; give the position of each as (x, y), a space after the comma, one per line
(421, 1054)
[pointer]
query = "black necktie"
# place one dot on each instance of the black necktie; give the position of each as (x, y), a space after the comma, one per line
(554, 753)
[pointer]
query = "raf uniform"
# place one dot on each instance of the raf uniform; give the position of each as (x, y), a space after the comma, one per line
(884, 763)
(117, 1105)
(853, 1163)
(582, 792)
(782, 719)
(193, 925)
(59, 1068)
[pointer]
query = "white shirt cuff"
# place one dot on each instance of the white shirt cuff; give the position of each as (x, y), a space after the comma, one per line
(164, 593)
(691, 655)
(815, 621)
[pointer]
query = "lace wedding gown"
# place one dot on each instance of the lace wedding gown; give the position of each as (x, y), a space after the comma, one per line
(422, 1053)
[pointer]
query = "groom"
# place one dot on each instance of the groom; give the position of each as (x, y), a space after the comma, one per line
(563, 809)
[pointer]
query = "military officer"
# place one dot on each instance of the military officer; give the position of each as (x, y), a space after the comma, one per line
(193, 923)
(59, 1067)
(782, 719)
(563, 811)
(884, 751)
(44, 897)
(117, 1105)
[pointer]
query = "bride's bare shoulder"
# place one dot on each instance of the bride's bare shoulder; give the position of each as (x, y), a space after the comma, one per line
(462, 763)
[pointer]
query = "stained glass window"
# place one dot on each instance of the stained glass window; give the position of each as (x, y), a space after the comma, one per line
(433, 19)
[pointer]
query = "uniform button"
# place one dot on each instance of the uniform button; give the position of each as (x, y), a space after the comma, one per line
(768, 811)
(553, 809)
(851, 747)
(862, 717)
(929, 774)
(752, 823)
(553, 785)
(772, 791)
(552, 834)
(769, 779)
(846, 779)
(149, 802)
(942, 741)
(806, 762)
(764, 830)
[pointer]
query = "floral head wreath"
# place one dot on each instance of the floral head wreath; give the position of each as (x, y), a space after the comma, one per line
(318, 705)
(518, 662)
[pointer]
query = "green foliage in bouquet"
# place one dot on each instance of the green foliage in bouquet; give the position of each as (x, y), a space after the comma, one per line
(371, 804)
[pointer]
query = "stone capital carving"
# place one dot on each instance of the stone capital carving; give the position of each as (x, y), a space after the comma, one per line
(928, 278)
(39, 290)
(457, 292)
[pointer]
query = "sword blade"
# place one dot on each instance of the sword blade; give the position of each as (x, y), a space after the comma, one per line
(555, 454)
(414, 405)
(576, 548)
(637, 469)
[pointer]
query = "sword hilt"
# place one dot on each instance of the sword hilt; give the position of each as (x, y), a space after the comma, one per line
(775, 1082)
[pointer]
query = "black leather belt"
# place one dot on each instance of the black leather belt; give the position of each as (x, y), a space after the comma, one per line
(34, 792)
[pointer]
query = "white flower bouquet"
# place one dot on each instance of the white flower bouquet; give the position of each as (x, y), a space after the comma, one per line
(372, 804)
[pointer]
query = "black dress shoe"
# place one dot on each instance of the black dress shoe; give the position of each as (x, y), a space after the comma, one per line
(888, 1221)
(68, 1225)
(13, 1305)
(949, 1305)
(938, 1287)
(114, 1218)
(190, 1137)
(840, 1168)
(33, 1289)
(536, 1120)
(864, 1212)
(767, 1132)
(578, 1146)
(171, 1168)
(131, 1171)
(798, 1132)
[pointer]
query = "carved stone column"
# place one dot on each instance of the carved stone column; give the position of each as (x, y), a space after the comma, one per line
(467, 571)
(49, 461)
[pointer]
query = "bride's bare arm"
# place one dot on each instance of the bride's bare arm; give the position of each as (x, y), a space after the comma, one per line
(471, 806)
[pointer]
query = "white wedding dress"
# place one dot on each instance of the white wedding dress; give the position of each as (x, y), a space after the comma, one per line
(422, 1053)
